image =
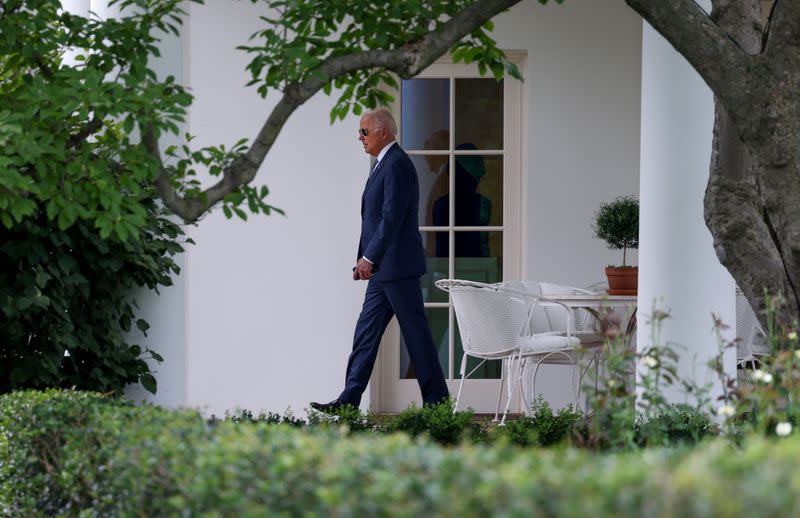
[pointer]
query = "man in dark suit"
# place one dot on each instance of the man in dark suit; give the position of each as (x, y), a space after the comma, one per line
(391, 258)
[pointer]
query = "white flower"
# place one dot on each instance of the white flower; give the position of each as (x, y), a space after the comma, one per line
(783, 429)
(651, 362)
(612, 383)
(797, 353)
(762, 376)
(725, 411)
(792, 335)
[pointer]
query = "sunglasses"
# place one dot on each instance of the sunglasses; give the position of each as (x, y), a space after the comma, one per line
(363, 132)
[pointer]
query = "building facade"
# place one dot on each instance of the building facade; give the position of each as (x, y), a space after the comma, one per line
(263, 313)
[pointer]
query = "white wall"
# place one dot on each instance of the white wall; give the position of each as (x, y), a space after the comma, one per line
(584, 77)
(271, 302)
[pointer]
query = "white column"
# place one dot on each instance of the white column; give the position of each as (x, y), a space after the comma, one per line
(678, 268)
(164, 310)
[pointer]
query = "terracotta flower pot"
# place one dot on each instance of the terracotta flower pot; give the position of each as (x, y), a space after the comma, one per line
(622, 280)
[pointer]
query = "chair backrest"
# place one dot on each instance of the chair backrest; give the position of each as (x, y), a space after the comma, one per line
(490, 320)
(557, 317)
(539, 322)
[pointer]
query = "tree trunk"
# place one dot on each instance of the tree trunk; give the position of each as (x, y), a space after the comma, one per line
(753, 192)
(746, 205)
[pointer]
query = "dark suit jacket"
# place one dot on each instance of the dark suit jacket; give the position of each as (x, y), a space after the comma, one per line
(390, 235)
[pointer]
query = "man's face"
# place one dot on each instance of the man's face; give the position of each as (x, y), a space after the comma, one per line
(374, 140)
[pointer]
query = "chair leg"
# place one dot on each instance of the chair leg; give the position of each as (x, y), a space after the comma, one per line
(533, 378)
(526, 404)
(512, 382)
(503, 375)
(461, 385)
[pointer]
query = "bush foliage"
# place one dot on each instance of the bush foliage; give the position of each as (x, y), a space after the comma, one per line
(65, 453)
(66, 302)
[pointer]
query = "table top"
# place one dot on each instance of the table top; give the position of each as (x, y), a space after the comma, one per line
(587, 299)
(599, 297)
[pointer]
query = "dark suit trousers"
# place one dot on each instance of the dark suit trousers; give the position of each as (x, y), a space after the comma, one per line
(384, 299)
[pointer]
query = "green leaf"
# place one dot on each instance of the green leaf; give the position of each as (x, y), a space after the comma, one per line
(148, 382)
(142, 325)
(239, 212)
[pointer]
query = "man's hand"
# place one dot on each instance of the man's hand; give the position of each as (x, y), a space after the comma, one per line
(363, 270)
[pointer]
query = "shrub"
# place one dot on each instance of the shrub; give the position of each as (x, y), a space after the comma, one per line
(247, 416)
(66, 451)
(66, 302)
(542, 427)
(680, 424)
(67, 454)
(438, 422)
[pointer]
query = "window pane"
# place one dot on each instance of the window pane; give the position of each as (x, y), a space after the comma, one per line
(437, 269)
(425, 114)
(479, 256)
(434, 185)
(437, 318)
(489, 370)
(491, 188)
(479, 113)
(479, 190)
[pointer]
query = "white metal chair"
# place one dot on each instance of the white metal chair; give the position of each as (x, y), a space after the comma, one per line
(751, 340)
(586, 324)
(494, 322)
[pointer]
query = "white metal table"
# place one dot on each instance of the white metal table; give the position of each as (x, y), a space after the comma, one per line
(596, 304)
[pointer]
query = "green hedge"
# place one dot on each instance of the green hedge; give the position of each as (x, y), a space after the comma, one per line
(77, 454)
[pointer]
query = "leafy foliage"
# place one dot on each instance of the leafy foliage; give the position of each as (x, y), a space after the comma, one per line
(439, 422)
(72, 92)
(246, 416)
(542, 427)
(617, 223)
(66, 453)
(679, 424)
(82, 227)
(66, 301)
(301, 35)
(78, 98)
(766, 399)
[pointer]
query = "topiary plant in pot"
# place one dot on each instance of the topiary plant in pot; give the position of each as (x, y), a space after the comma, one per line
(617, 223)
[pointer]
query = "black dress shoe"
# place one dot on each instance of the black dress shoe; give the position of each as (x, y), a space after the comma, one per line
(329, 408)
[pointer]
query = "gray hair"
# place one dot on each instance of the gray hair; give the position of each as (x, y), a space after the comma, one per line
(382, 118)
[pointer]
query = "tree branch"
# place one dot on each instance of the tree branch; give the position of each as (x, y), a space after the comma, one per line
(166, 191)
(718, 59)
(91, 127)
(406, 61)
